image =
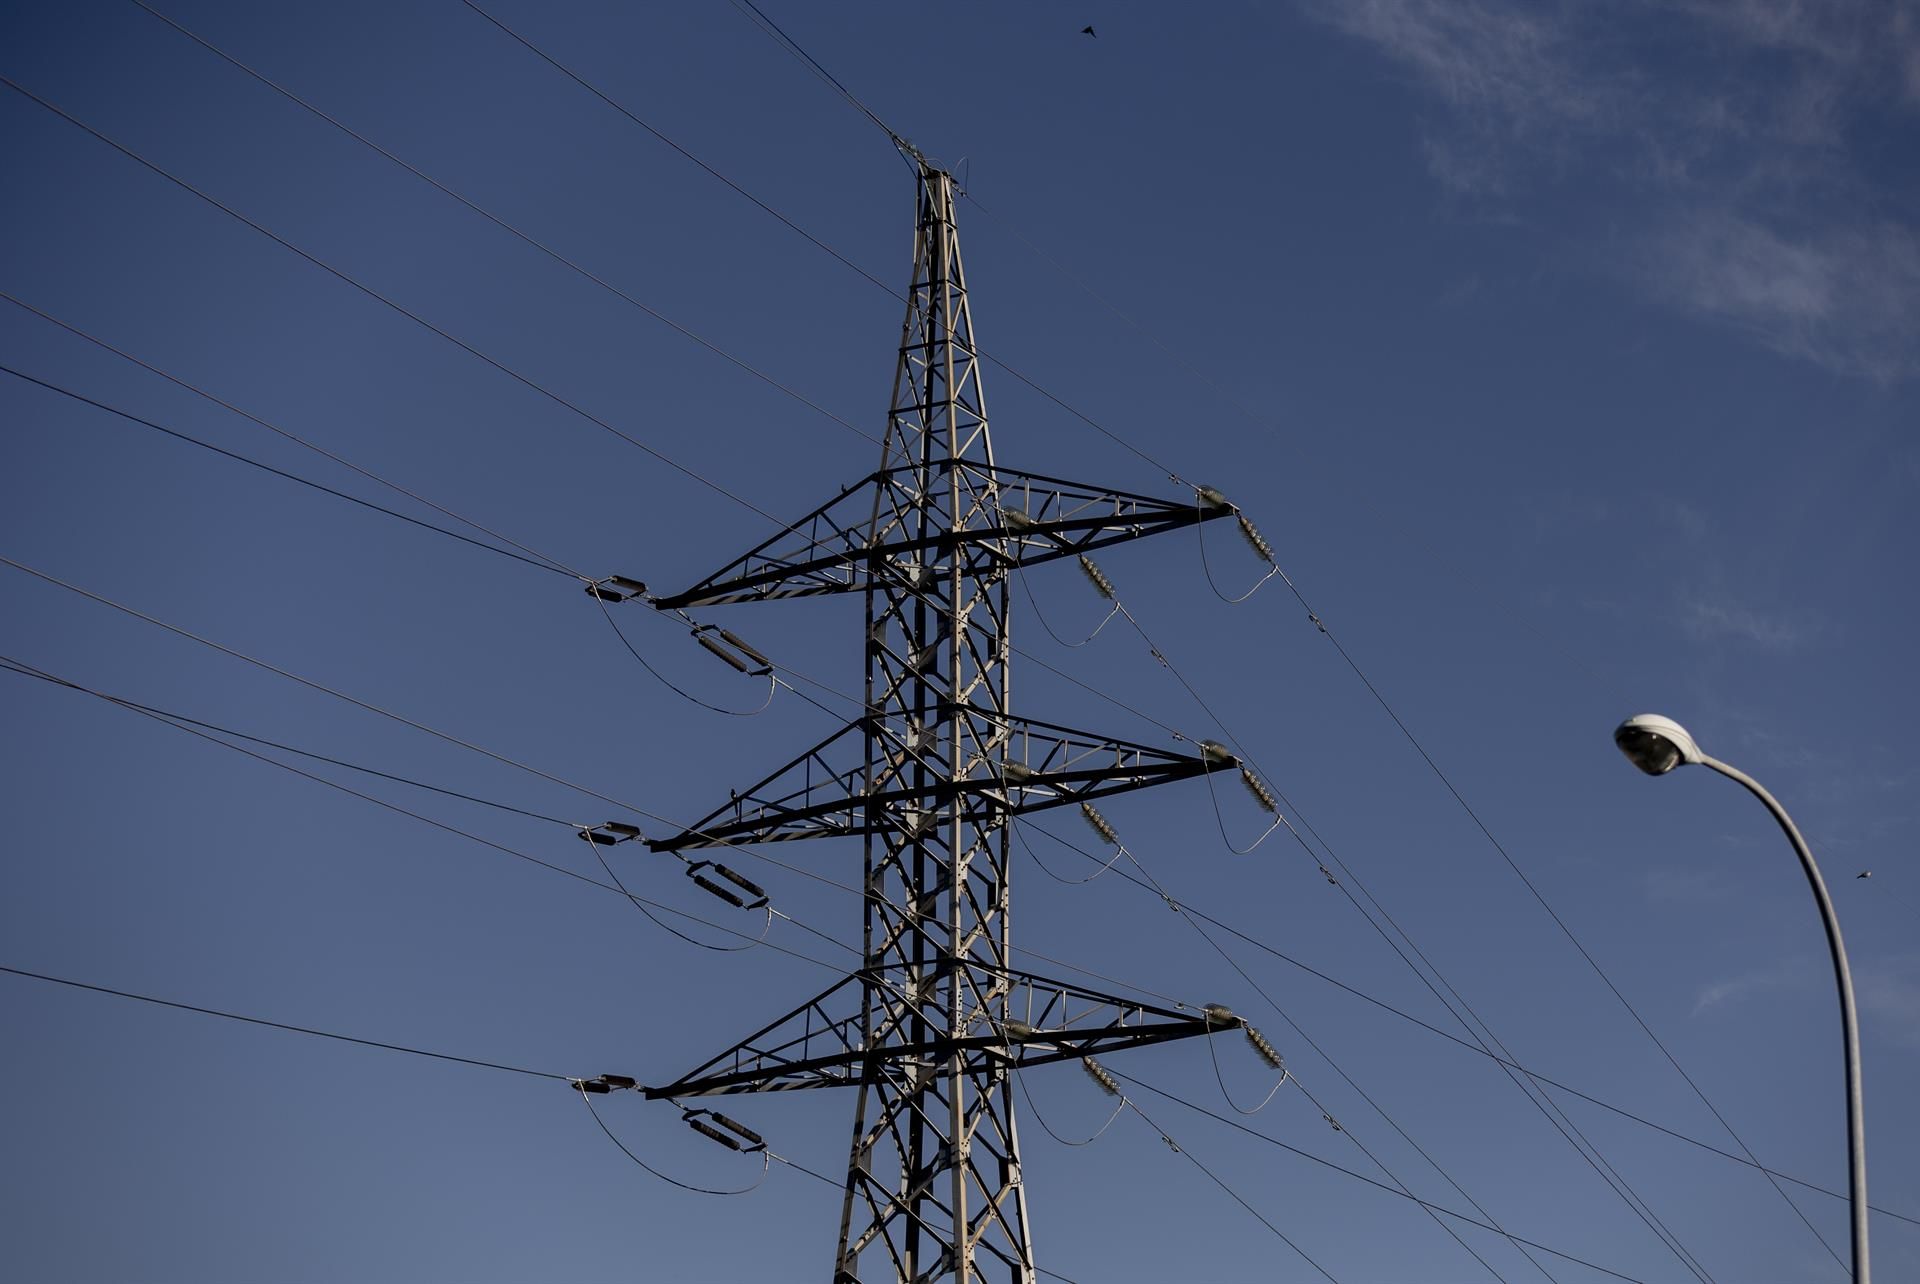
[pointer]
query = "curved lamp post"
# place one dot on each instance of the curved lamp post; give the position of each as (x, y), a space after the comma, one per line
(1657, 745)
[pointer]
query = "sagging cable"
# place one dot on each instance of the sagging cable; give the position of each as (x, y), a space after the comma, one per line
(1101, 1077)
(773, 682)
(1034, 601)
(589, 1088)
(612, 833)
(1218, 1016)
(1261, 795)
(1100, 824)
(1250, 533)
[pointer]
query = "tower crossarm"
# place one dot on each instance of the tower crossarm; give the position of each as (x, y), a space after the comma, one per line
(1014, 766)
(812, 1047)
(1034, 519)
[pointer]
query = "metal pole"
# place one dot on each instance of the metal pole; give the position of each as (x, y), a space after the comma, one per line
(1849, 1021)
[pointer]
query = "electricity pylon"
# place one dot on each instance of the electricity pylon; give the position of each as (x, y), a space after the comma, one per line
(932, 1025)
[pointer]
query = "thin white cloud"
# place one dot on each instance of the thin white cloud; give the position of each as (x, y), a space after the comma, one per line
(1889, 993)
(1688, 887)
(1713, 619)
(1737, 988)
(1846, 296)
(1728, 124)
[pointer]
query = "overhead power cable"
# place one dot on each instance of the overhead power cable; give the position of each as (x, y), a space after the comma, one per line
(194, 728)
(1477, 1049)
(807, 60)
(281, 1025)
(385, 713)
(1231, 1193)
(505, 226)
(1378, 1109)
(177, 435)
(1362, 1177)
(317, 686)
(796, 49)
(538, 557)
(1568, 1130)
(985, 355)
(1540, 898)
(27, 670)
(410, 315)
(593, 89)
(766, 1160)
(1248, 938)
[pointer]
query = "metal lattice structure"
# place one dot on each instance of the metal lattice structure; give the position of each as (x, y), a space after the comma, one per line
(931, 1027)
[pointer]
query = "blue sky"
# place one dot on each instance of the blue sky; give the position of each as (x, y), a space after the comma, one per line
(1566, 355)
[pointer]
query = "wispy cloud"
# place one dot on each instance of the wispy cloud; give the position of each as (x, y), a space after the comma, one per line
(1734, 989)
(1845, 295)
(1688, 887)
(1730, 122)
(1716, 618)
(1889, 991)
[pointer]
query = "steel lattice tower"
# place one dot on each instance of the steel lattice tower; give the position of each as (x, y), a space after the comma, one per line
(931, 1027)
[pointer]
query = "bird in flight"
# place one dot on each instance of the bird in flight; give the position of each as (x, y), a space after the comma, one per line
(1089, 31)
(1866, 873)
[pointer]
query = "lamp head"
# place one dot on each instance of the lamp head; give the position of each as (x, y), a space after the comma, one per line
(1655, 744)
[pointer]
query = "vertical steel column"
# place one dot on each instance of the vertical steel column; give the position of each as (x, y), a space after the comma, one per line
(933, 1181)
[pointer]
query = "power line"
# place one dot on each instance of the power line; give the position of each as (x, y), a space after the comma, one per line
(800, 52)
(1208, 918)
(176, 434)
(415, 317)
(1232, 1194)
(1567, 1129)
(1256, 942)
(281, 1025)
(505, 226)
(385, 713)
(1271, 1002)
(766, 1161)
(321, 687)
(1476, 1048)
(985, 355)
(29, 671)
(1553, 914)
(807, 60)
(1362, 1177)
(295, 438)
(193, 729)
(593, 89)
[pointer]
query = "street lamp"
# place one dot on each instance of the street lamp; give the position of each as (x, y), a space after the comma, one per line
(1657, 745)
